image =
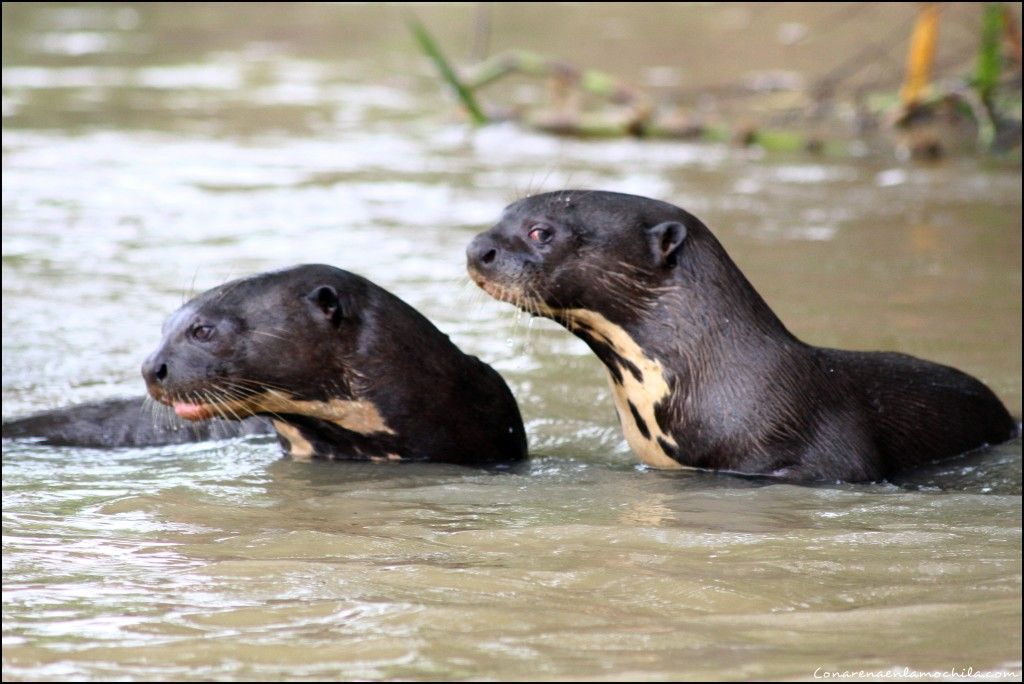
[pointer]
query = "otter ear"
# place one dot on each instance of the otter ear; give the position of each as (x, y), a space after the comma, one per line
(665, 239)
(326, 300)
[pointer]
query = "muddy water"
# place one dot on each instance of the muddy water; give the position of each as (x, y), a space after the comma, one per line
(148, 153)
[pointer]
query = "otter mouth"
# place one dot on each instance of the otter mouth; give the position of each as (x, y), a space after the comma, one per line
(486, 285)
(195, 411)
(517, 295)
(208, 403)
(351, 414)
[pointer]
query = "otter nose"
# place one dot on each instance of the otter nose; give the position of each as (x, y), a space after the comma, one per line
(154, 369)
(481, 252)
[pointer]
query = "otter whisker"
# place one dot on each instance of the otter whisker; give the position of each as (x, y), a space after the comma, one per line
(276, 337)
(253, 412)
(223, 403)
(194, 398)
(470, 295)
(262, 385)
(234, 403)
(160, 415)
(190, 292)
(240, 381)
(214, 403)
(227, 287)
(239, 395)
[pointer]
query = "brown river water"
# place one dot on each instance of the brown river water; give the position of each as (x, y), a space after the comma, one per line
(149, 152)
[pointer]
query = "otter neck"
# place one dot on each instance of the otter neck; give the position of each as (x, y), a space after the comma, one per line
(641, 387)
(307, 437)
(710, 294)
(309, 429)
(676, 347)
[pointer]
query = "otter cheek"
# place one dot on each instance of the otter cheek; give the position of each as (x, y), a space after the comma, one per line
(569, 288)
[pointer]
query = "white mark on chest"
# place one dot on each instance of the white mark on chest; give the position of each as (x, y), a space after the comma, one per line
(355, 415)
(299, 447)
(644, 393)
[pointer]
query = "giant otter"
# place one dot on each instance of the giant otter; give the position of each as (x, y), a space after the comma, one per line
(342, 369)
(702, 372)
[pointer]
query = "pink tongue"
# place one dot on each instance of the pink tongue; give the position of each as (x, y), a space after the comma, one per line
(191, 411)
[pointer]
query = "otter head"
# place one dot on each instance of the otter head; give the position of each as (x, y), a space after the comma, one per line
(581, 250)
(600, 263)
(279, 344)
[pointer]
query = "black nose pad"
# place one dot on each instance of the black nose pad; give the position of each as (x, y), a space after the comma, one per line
(154, 370)
(481, 251)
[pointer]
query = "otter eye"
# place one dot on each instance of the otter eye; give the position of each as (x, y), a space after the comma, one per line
(539, 233)
(202, 332)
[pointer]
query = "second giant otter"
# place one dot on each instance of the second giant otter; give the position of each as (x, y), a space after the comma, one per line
(343, 368)
(340, 367)
(703, 373)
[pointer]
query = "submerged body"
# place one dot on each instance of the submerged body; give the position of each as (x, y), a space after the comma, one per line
(133, 422)
(339, 367)
(702, 371)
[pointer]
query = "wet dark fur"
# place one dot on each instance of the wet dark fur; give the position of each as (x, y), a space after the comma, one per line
(318, 334)
(746, 395)
(125, 423)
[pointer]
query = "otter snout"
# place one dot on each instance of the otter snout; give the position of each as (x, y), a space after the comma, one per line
(481, 253)
(155, 371)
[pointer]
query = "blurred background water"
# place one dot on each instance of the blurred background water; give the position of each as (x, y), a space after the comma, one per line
(153, 151)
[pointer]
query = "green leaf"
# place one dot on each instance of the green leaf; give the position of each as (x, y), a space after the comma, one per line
(447, 72)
